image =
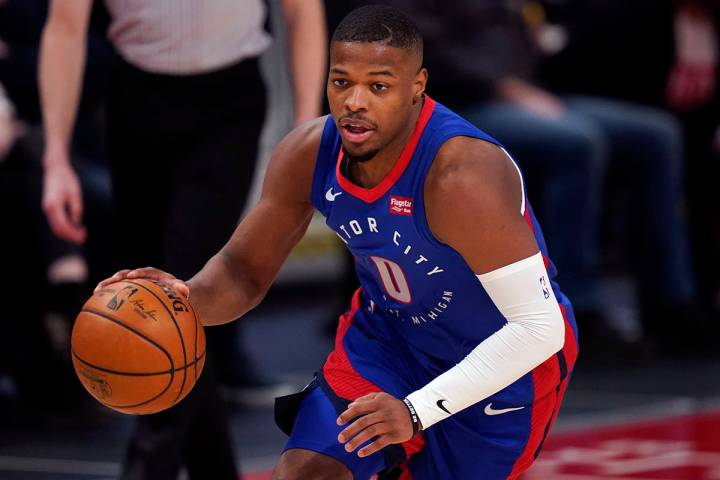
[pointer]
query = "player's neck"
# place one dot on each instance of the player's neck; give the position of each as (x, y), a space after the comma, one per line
(371, 173)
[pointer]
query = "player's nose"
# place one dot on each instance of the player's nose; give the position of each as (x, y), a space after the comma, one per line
(356, 100)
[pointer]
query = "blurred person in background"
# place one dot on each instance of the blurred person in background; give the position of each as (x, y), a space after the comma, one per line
(8, 127)
(485, 58)
(185, 108)
(663, 53)
(29, 355)
(56, 270)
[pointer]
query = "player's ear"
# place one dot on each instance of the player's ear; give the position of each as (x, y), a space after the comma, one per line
(419, 84)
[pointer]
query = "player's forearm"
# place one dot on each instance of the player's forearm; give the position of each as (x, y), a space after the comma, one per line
(62, 60)
(236, 279)
(221, 292)
(308, 55)
(534, 332)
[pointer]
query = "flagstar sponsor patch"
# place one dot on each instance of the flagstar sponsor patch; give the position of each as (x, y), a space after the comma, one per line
(401, 205)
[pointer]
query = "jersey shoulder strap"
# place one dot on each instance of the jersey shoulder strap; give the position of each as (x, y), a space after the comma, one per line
(325, 163)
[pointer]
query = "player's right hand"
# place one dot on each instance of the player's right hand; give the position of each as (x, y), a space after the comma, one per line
(150, 273)
(62, 201)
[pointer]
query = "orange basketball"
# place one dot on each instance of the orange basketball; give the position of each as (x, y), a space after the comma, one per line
(138, 347)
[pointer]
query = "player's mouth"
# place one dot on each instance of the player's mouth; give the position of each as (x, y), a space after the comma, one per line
(355, 131)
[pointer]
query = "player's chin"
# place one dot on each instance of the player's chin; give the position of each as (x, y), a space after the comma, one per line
(360, 154)
(360, 148)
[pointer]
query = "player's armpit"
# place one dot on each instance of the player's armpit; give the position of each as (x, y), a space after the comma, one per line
(473, 200)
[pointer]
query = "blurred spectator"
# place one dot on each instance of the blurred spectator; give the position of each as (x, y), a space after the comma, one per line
(30, 255)
(28, 354)
(185, 108)
(20, 28)
(663, 53)
(7, 124)
(483, 58)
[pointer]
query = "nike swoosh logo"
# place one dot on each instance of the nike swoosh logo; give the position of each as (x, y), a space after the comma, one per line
(491, 411)
(442, 407)
(330, 196)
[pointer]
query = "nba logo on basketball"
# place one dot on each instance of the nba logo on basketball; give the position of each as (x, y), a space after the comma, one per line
(401, 205)
(118, 300)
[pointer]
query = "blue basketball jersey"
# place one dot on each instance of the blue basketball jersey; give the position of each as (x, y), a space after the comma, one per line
(421, 309)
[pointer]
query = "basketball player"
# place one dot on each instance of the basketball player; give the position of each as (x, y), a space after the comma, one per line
(453, 359)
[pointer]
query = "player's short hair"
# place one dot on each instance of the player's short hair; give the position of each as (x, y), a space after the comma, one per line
(381, 24)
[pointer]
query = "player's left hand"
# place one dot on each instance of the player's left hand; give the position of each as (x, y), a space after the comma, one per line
(378, 416)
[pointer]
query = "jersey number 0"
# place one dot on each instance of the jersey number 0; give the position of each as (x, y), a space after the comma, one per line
(393, 279)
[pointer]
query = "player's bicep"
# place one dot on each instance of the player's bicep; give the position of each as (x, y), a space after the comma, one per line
(474, 204)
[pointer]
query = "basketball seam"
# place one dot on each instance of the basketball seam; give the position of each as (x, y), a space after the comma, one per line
(177, 327)
(143, 336)
(135, 405)
(137, 332)
(134, 374)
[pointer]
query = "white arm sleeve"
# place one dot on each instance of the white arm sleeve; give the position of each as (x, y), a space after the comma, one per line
(535, 330)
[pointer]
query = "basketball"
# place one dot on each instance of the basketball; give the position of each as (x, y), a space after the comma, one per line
(137, 346)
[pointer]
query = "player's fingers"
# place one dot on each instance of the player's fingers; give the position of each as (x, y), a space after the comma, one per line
(365, 398)
(117, 276)
(181, 287)
(355, 409)
(366, 434)
(151, 273)
(382, 442)
(164, 278)
(367, 401)
(358, 425)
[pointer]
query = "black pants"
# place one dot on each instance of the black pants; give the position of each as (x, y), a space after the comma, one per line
(182, 152)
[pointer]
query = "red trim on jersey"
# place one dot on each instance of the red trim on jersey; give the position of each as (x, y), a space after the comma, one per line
(405, 472)
(346, 382)
(570, 348)
(338, 372)
(369, 195)
(528, 219)
(411, 447)
(560, 397)
(544, 414)
(548, 397)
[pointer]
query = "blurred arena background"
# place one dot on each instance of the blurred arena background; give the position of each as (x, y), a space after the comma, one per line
(645, 399)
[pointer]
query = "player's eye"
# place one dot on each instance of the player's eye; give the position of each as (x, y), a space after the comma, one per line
(340, 82)
(380, 87)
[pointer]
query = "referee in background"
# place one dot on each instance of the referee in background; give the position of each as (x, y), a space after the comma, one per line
(185, 108)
